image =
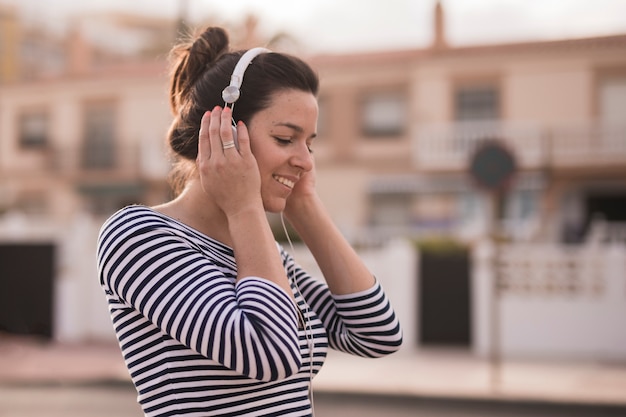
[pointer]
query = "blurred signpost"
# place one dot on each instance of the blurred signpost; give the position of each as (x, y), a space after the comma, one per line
(492, 168)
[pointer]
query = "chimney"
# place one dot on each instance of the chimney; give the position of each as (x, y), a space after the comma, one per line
(439, 41)
(9, 44)
(79, 58)
(250, 32)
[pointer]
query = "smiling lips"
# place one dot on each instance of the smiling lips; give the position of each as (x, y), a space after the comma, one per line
(284, 181)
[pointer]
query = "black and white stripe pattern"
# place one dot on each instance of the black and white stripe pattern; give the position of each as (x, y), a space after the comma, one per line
(197, 344)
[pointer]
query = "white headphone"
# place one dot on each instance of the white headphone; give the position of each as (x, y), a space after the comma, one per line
(231, 93)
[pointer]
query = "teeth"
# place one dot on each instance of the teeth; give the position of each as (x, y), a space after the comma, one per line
(284, 181)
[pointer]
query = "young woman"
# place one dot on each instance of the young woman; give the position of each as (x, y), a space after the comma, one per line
(213, 317)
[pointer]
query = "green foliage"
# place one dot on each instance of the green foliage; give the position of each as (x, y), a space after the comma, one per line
(440, 246)
(279, 232)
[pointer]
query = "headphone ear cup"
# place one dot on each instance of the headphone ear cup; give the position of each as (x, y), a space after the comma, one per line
(230, 94)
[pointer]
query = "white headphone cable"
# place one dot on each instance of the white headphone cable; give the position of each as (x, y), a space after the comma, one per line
(303, 317)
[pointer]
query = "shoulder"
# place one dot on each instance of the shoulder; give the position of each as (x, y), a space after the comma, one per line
(133, 216)
(132, 220)
(143, 224)
(134, 213)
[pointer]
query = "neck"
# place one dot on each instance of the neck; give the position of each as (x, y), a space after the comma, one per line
(197, 210)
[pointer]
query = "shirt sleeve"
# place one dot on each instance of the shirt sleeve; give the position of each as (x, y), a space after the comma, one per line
(249, 327)
(362, 323)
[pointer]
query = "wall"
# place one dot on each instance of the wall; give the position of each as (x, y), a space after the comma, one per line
(79, 307)
(395, 267)
(557, 302)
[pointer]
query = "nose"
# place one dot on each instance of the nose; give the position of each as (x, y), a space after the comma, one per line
(302, 158)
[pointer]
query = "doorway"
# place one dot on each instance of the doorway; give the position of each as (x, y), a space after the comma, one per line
(26, 288)
(444, 299)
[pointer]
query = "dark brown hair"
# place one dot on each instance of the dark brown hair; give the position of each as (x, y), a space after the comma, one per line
(201, 69)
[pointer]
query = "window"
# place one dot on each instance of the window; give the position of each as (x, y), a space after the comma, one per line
(390, 210)
(33, 129)
(479, 102)
(523, 204)
(613, 100)
(384, 114)
(435, 211)
(469, 207)
(104, 199)
(99, 136)
(33, 203)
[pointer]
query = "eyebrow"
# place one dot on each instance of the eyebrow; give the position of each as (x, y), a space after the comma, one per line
(297, 128)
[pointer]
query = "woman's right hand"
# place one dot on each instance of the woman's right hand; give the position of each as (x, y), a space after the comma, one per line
(228, 176)
(231, 178)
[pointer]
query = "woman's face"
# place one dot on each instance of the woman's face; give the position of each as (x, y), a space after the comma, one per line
(280, 138)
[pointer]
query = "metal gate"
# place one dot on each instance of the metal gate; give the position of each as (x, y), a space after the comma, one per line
(26, 288)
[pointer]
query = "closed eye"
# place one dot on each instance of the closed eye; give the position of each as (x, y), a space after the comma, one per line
(289, 141)
(283, 141)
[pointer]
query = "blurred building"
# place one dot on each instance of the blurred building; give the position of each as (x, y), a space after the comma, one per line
(405, 124)
(83, 123)
(81, 126)
(397, 129)
(82, 130)
(83, 117)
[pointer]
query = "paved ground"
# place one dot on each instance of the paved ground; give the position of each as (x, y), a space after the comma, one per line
(119, 400)
(420, 374)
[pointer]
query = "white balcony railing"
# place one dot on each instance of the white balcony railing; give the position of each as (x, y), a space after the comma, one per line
(80, 160)
(131, 160)
(592, 144)
(450, 146)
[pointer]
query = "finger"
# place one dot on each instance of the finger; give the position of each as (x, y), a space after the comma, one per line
(243, 138)
(226, 131)
(204, 146)
(214, 131)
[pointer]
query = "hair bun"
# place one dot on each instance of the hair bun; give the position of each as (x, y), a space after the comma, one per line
(208, 46)
(192, 58)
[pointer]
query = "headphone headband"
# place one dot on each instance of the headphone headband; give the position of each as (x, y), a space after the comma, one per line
(231, 93)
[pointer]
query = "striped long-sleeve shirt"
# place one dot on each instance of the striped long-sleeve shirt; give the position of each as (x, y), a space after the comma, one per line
(198, 343)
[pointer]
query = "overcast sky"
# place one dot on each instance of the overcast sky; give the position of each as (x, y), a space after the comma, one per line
(357, 25)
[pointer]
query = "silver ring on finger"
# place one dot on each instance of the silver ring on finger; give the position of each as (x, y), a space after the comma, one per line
(228, 145)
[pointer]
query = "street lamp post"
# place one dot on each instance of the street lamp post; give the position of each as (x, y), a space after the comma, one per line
(492, 168)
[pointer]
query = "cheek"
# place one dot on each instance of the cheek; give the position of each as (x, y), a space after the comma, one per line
(257, 151)
(263, 158)
(267, 155)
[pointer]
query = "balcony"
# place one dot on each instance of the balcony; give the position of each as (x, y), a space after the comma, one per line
(78, 162)
(575, 147)
(130, 161)
(589, 146)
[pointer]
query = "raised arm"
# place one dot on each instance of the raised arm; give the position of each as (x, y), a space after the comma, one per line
(231, 178)
(343, 269)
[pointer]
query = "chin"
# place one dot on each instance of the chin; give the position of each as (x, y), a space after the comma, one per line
(275, 205)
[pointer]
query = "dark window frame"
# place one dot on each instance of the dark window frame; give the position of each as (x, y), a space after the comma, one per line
(477, 102)
(34, 129)
(373, 128)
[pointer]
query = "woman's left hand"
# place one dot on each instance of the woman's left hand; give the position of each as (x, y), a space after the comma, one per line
(302, 192)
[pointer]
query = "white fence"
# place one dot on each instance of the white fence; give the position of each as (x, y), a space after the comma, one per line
(555, 301)
(80, 311)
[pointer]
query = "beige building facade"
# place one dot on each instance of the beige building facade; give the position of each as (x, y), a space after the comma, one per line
(409, 123)
(397, 132)
(83, 145)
